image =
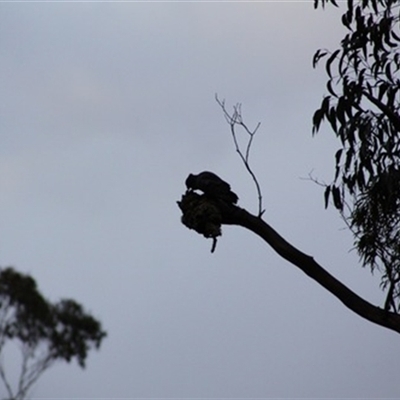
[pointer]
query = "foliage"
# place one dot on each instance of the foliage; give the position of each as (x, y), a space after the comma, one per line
(362, 108)
(46, 332)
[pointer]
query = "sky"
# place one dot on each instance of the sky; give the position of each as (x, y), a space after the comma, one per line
(106, 108)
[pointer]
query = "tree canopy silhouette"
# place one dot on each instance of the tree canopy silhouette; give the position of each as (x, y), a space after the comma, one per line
(362, 108)
(45, 332)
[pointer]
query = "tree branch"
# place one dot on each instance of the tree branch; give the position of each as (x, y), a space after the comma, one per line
(393, 117)
(234, 215)
(236, 119)
(5, 380)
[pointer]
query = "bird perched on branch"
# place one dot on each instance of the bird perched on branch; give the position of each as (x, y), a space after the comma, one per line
(212, 186)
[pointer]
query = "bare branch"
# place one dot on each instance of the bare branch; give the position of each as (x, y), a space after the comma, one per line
(238, 216)
(33, 366)
(312, 178)
(230, 214)
(5, 380)
(233, 120)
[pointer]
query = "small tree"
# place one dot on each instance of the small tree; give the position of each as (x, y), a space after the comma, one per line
(45, 332)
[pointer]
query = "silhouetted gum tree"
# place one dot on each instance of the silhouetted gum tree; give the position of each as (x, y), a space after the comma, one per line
(45, 332)
(362, 107)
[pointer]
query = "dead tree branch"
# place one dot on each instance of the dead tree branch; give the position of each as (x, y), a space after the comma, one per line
(235, 119)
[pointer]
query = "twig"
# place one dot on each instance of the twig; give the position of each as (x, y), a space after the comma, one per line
(236, 119)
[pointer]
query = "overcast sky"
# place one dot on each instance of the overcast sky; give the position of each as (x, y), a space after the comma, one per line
(106, 108)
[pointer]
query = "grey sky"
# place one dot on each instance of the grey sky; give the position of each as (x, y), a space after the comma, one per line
(106, 108)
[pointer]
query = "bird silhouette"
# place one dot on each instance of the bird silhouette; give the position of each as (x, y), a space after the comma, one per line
(212, 186)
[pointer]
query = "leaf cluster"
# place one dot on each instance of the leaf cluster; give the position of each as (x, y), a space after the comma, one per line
(64, 327)
(362, 108)
(26, 314)
(45, 331)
